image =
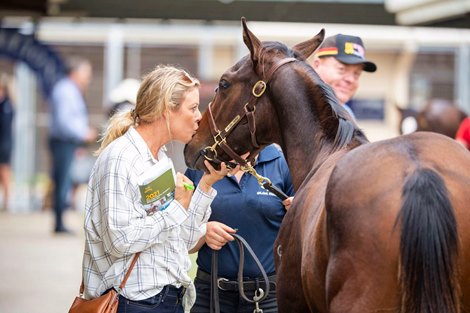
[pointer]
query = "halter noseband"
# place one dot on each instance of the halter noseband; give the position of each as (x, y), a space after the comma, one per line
(220, 136)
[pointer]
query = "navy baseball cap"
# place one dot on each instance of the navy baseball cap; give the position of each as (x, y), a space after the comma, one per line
(346, 49)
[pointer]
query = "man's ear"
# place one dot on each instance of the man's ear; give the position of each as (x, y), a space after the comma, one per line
(316, 63)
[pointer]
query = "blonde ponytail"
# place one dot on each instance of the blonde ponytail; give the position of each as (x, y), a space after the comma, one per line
(118, 126)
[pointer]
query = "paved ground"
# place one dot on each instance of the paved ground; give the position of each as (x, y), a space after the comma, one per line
(40, 271)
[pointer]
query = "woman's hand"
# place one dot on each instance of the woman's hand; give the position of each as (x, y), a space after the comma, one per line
(183, 194)
(233, 171)
(208, 179)
(218, 234)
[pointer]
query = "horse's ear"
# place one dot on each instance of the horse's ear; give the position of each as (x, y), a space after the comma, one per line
(251, 41)
(306, 48)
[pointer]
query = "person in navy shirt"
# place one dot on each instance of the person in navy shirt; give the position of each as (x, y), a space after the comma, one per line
(244, 207)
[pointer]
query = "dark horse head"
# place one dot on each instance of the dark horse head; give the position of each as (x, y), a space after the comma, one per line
(247, 104)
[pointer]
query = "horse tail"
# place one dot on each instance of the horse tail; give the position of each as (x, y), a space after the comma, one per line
(428, 246)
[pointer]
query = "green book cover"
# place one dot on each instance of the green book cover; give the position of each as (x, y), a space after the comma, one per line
(160, 191)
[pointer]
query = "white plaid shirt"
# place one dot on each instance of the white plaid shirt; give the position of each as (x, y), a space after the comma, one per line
(117, 226)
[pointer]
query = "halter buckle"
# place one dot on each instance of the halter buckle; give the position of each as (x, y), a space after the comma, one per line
(218, 141)
(259, 84)
(247, 109)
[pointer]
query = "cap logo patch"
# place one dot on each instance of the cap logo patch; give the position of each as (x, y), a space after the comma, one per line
(354, 48)
(327, 51)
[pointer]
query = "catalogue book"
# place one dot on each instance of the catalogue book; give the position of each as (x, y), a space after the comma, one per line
(157, 186)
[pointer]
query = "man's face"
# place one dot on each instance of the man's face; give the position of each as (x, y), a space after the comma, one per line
(343, 78)
(82, 76)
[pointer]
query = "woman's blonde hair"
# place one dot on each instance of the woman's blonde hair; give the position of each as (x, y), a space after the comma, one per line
(161, 90)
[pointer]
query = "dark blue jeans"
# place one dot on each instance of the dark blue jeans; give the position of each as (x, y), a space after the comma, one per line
(62, 153)
(169, 300)
(230, 301)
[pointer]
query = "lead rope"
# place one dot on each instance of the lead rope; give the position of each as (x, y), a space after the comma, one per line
(264, 182)
(260, 294)
(214, 304)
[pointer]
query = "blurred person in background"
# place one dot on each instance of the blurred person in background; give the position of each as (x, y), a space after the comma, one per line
(6, 136)
(463, 133)
(340, 61)
(68, 129)
(123, 96)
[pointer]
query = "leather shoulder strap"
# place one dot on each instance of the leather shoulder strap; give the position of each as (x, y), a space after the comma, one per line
(123, 283)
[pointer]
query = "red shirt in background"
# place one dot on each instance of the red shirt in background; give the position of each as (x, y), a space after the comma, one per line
(463, 133)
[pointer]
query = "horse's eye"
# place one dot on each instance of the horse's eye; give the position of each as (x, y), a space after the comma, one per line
(223, 84)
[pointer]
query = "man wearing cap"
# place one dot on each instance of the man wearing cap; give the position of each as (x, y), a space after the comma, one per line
(339, 62)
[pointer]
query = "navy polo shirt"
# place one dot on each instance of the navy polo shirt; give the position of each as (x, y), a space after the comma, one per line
(256, 212)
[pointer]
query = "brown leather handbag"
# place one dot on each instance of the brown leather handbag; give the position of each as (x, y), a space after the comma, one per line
(107, 303)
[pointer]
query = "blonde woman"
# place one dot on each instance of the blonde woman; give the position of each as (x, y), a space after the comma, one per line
(117, 225)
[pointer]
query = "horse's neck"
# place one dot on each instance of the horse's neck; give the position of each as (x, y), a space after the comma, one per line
(300, 141)
(303, 158)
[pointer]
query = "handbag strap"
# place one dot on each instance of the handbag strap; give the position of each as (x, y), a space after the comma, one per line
(123, 283)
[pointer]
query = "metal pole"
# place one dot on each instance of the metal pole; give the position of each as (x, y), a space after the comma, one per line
(206, 55)
(462, 80)
(113, 61)
(24, 151)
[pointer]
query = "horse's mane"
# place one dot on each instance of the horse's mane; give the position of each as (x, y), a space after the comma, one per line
(338, 120)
